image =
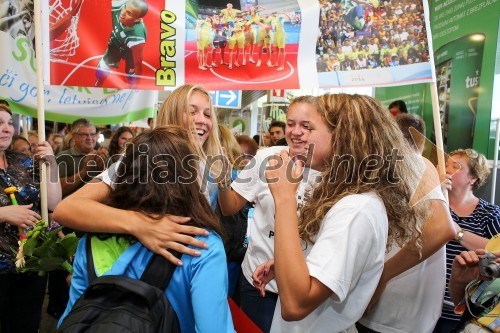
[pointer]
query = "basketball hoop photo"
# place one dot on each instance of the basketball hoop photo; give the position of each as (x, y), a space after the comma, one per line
(113, 44)
(63, 24)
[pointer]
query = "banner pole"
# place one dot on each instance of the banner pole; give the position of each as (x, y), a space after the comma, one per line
(40, 105)
(435, 99)
(155, 116)
(25, 127)
(438, 132)
(495, 162)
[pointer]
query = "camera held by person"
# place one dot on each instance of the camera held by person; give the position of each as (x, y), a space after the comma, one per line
(488, 266)
(475, 289)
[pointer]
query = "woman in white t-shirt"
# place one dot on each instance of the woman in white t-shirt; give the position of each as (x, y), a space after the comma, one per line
(409, 294)
(361, 205)
(305, 126)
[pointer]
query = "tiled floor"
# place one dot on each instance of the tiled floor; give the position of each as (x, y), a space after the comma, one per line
(47, 323)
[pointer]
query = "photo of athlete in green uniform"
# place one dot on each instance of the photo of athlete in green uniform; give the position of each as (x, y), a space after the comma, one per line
(126, 41)
(251, 37)
(219, 40)
(263, 36)
(249, 43)
(229, 14)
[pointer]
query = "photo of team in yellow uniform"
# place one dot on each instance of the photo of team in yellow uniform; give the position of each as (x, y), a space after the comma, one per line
(241, 31)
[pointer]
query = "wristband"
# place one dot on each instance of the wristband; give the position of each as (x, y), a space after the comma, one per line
(460, 235)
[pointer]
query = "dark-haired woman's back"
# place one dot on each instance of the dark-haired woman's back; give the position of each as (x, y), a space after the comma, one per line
(155, 178)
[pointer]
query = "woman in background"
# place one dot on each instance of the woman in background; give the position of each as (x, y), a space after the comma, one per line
(476, 219)
(21, 294)
(248, 146)
(117, 144)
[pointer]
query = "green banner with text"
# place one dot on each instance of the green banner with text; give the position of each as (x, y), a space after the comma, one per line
(412, 95)
(465, 34)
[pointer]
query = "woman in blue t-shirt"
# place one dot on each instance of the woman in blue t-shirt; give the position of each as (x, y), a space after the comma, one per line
(156, 178)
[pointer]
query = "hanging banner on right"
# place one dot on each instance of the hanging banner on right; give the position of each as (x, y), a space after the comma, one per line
(372, 43)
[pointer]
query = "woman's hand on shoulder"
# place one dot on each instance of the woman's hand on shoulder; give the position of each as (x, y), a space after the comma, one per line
(19, 215)
(45, 153)
(169, 233)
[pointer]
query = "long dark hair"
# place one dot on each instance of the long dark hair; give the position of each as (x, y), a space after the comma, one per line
(114, 149)
(158, 176)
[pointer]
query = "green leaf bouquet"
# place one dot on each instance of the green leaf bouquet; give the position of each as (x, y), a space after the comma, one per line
(42, 250)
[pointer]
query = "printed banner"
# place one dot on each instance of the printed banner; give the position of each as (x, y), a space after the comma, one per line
(237, 45)
(238, 121)
(365, 42)
(465, 38)
(458, 65)
(62, 104)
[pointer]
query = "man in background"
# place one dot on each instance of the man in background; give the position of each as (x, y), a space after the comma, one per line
(77, 166)
(80, 164)
(277, 131)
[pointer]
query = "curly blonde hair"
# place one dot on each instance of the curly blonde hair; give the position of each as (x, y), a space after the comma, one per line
(477, 163)
(362, 131)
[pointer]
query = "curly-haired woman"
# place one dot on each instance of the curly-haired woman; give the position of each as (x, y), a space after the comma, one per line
(328, 268)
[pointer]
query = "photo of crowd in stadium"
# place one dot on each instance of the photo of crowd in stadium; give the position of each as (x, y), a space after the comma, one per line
(366, 34)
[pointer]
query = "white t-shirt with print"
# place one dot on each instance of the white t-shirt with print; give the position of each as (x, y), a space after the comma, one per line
(251, 184)
(348, 258)
(412, 301)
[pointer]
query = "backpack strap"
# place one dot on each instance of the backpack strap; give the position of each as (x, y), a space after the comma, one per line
(91, 274)
(159, 271)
